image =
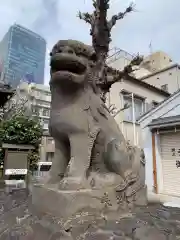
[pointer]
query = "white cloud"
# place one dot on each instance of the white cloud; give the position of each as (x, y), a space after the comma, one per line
(155, 21)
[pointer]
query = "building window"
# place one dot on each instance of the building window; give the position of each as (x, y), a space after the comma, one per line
(154, 104)
(46, 112)
(47, 94)
(139, 108)
(42, 102)
(164, 87)
(46, 121)
(36, 111)
(44, 167)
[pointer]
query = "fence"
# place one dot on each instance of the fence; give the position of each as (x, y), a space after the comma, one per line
(40, 174)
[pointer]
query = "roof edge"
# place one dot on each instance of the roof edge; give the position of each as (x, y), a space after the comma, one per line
(141, 83)
(159, 71)
(145, 115)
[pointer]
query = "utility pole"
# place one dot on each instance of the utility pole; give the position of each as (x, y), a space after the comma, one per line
(134, 120)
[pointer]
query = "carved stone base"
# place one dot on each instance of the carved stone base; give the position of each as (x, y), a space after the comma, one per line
(65, 203)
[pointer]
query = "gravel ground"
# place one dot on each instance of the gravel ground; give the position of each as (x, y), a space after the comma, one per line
(18, 221)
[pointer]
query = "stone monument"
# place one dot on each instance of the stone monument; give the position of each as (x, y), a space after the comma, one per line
(93, 167)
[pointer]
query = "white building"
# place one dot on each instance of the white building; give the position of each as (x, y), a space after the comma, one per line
(167, 78)
(37, 98)
(156, 69)
(156, 61)
(141, 97)
(154, 81)
(152, 64)
(161, 142)
(118, 58)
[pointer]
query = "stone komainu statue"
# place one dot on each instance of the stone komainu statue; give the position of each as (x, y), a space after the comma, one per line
(90, 150)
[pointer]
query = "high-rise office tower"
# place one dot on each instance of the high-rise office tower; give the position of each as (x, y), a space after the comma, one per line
(22, 56)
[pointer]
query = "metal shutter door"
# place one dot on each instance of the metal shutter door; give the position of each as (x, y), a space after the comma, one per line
(170, 153)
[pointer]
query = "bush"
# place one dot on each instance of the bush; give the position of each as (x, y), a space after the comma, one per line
(21, 129)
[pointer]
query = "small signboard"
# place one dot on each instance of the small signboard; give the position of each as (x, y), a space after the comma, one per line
(15, 171)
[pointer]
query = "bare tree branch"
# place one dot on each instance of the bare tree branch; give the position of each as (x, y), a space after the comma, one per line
(94, 4)
(101, 37)
(126, 106)
(112, 108)
(136, 61)
(114, 75)
(88, 18)
(120, 15)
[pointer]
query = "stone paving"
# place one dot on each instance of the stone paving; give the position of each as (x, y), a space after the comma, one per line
(18, 221)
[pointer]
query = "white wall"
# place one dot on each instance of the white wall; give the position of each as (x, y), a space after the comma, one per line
(169, 108)
(158, 164)
(174, 111)
(115, 97)
(170, 77)
(147, 145)
(156, 61)
(147, 137)
(47, 145)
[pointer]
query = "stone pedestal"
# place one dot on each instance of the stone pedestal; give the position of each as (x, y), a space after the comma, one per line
(66, 203)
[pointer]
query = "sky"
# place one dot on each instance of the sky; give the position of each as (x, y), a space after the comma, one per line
(154, 21)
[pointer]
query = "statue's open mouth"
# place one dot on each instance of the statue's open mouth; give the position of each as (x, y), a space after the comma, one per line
(63, 62)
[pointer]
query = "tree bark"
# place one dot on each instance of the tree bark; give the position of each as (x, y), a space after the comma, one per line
(101, 37)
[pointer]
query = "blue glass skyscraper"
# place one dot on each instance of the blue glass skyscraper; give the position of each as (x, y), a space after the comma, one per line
(22, 56)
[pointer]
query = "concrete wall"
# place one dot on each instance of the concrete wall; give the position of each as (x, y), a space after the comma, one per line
(116, 98)
(147, 140)
(127, 130)
(151, 63)
(170, 77)
(47, 146)
(156, 61)
(147, 146)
